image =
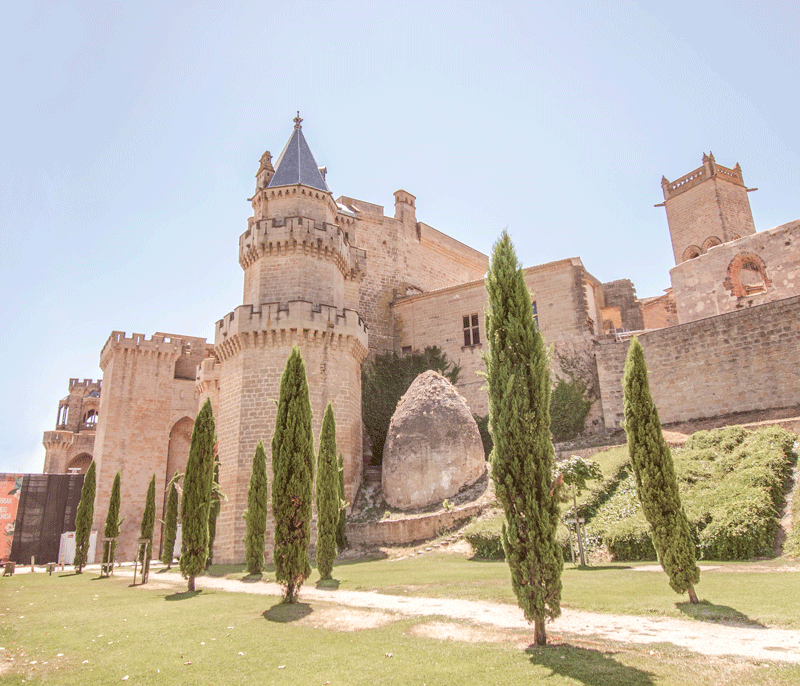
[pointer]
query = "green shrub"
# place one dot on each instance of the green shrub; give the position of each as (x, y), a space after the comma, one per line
(385, 379)
(486, 436)
(732, 483)
(568, 409)
(485, 538)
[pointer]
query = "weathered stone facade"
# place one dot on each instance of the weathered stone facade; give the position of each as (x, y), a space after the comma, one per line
(740, 274)
(342, 280)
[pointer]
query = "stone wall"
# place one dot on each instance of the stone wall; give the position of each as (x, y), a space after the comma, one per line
(409, 530)
(253, 345)
(141, 402)
(404, 255)
(706, 207)
(737, 362)
(621, 294)
(743, 273)
(558, 288)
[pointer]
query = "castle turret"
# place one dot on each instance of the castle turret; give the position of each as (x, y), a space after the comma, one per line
(71, 446)
(706, 207)
(301, 277)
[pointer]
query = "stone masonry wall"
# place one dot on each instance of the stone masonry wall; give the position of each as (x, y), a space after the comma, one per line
(706, 286)
(436, 318)
(736, 362)
(250, 372)
(403, 255)
(141, 402)
(710, 202)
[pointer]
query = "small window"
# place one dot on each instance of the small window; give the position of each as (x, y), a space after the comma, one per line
(472, 335)
(90, 420)
(535, 315)
(405, 350)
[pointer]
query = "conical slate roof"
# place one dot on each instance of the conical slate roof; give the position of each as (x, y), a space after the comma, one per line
(296, 163)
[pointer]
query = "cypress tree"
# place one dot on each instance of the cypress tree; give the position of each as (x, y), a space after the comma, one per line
(256, 513)
(170, 524)
(112, 523)
(341, 538)
(196, 501)
(83, 519)
(148, 524)
(327, 495)
(522, 458)
(213, 512)
(656, 484)
(293, 476)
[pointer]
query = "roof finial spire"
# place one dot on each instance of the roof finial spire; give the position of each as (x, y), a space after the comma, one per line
(297, 121)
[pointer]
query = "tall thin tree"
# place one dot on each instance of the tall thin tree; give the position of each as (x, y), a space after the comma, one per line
(327, 495)
(148, 525)
(341, 536)
(112, 524)
(293, 478)
(196, 500)
(256, 513)
(83, 519)
(213, 512)
(522, 458)
(170, 524)
(656, 484)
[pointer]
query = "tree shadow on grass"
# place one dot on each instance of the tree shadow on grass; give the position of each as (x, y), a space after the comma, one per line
(719, 614)
(182, 595)
(372, 556)
(589, 667)
(252, 578)
(283, 613)
(327, 584)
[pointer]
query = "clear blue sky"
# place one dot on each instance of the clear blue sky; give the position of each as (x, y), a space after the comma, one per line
(131, 134)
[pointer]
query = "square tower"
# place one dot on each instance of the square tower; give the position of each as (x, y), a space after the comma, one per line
(706, 207)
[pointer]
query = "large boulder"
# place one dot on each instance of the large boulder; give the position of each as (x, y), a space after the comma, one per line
(433, 447)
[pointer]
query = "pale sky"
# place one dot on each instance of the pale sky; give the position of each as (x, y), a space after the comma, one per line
(132, 133)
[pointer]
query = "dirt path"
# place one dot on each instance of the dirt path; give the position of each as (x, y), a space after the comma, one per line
(484, 619)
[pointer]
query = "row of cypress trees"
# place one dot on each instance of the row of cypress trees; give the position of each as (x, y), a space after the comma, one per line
(293, 474)
(292, 487)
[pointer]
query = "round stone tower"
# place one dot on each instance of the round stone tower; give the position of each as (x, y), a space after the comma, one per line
(301, 283)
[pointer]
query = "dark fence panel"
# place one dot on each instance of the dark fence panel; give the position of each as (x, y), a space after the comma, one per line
(47, 507)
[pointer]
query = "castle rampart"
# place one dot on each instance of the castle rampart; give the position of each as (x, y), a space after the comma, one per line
(741, 361)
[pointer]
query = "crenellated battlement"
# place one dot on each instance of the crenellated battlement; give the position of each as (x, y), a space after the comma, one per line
(282, 235)
(709, 170)
(140, 343)
(271, 319)
(76, 384)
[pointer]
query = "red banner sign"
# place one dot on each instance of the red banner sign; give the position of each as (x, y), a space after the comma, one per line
(10, 488)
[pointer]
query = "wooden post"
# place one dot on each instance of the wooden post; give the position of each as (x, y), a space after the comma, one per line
(141, 552)
(107, 566)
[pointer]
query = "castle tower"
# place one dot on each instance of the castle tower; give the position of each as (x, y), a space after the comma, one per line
(706, 207)
(71, 445)
(147, 410)
(301, 286)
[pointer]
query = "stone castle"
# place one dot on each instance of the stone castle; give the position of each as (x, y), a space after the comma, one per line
(344, 281)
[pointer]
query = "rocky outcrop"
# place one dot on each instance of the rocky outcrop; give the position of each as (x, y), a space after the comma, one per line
(433, 447)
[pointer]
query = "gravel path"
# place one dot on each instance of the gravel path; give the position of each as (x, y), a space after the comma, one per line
(706, 638)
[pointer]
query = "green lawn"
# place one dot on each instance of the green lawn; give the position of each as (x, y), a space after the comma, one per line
(75, 629)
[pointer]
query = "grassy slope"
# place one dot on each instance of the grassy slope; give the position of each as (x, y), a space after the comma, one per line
(105, 631)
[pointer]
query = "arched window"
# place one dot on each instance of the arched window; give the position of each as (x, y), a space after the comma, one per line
(90, 420)
(63, 413)
(710, 242)
(79, 463)
(747, 275)
(691, 252)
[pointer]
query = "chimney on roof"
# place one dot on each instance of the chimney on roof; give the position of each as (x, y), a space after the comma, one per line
(405, 209)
